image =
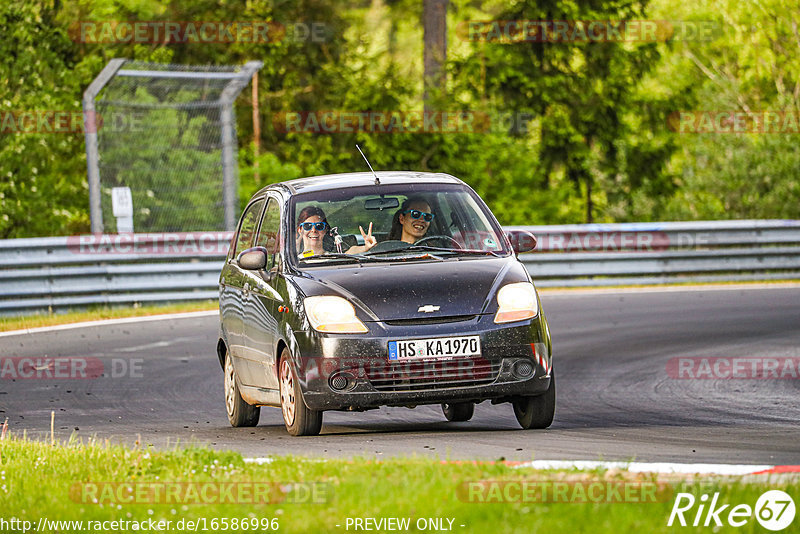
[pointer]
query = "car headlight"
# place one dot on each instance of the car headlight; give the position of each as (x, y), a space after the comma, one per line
(516, 302)
(332, 314)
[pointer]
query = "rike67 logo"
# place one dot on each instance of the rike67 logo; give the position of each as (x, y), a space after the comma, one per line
(774, 510)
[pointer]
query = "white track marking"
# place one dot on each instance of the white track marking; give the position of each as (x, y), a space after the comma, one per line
(633, 467)
(155, 345)
(645, 467)
(111, 322)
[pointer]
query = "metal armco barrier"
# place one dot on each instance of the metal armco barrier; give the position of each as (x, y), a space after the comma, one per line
(663, 253)
(56, 273)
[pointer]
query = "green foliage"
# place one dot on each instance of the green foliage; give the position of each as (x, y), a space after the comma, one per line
(317, 495)
(42, 190)
(598, 145)
(585, 94)
(750, 63)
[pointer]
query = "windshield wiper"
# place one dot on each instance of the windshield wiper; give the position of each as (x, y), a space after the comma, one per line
(358, 258)
(399, 254)
(410, 248)
(478, 252)
(337, 256)
(413, 248)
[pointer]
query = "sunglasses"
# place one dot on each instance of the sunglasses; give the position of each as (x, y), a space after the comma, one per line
(318, 226)
(417, 214)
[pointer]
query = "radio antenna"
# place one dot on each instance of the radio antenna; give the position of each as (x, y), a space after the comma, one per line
(377, 181)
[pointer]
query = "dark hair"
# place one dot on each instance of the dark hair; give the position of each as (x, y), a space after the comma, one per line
(396, 233)
(311, 211)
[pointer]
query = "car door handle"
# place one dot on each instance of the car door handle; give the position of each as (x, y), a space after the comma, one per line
(246, 290)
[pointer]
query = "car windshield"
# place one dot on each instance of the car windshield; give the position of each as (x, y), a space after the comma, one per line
(408, 222)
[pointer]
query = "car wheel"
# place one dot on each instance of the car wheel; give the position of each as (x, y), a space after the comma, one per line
(458, 411)
(299, 420)
(239, 412)
(537, 412)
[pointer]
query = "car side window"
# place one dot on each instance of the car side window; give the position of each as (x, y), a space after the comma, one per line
(269, 235)
(247, 228)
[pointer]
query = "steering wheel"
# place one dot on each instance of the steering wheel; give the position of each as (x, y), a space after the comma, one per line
(392, 244)
(431, 237)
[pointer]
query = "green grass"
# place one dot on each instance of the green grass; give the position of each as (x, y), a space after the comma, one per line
(36, 480)
(101, 312)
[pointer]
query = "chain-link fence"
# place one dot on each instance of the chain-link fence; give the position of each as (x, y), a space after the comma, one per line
(168, 134)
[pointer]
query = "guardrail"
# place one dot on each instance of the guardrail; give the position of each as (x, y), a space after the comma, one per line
(663, 253)
(54, 273)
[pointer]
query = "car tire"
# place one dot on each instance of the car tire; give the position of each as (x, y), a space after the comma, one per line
(538, 411)
(239, 412)
(458, 411)
(298, 418)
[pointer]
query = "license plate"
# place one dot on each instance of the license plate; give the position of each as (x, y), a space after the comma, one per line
(436, 347)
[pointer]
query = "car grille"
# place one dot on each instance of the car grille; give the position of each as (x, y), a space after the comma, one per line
(430, 320)
(415, 375)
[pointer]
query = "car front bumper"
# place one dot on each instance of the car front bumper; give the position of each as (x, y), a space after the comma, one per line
(353, 372)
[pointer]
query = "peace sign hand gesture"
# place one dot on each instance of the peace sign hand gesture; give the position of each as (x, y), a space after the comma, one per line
(369, 241)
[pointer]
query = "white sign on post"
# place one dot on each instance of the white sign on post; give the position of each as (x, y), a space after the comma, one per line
(122, 207)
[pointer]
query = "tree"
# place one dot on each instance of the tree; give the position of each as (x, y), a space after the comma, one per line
(434, 22)
(584, 95)
(41, 192)
(748, 64)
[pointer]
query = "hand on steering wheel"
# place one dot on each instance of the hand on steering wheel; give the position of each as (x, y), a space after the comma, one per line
(431, 237)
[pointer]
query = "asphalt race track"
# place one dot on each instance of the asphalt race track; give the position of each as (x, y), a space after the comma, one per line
(616, 399)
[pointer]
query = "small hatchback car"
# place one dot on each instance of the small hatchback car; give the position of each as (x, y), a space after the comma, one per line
(354, 291)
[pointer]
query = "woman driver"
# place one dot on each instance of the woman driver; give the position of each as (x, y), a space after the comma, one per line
(411, 221)
(313, 237)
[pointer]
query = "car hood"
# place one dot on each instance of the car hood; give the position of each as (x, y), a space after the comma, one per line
(386, 292)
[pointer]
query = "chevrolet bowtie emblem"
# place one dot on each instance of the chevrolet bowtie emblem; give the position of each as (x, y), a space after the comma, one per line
(428, 308)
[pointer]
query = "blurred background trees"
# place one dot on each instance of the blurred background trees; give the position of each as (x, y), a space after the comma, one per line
(591, 140)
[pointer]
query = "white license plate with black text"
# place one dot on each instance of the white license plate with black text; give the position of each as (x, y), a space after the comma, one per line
(437, 347)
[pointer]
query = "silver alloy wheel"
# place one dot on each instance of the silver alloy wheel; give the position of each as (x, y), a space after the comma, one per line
(230, 386)
(287, 392)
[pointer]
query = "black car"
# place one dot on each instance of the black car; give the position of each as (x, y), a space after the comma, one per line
(354, 291)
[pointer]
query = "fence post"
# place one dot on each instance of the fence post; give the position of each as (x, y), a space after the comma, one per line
(209, 91)
(230, 170)
(90, 133)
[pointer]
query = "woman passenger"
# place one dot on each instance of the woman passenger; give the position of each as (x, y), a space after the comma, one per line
(314, 238)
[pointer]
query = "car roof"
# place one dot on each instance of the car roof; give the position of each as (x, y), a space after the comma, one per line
(353, 179)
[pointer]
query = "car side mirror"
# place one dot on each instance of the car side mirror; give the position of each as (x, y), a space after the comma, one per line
(521, 240)
(253, 259)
